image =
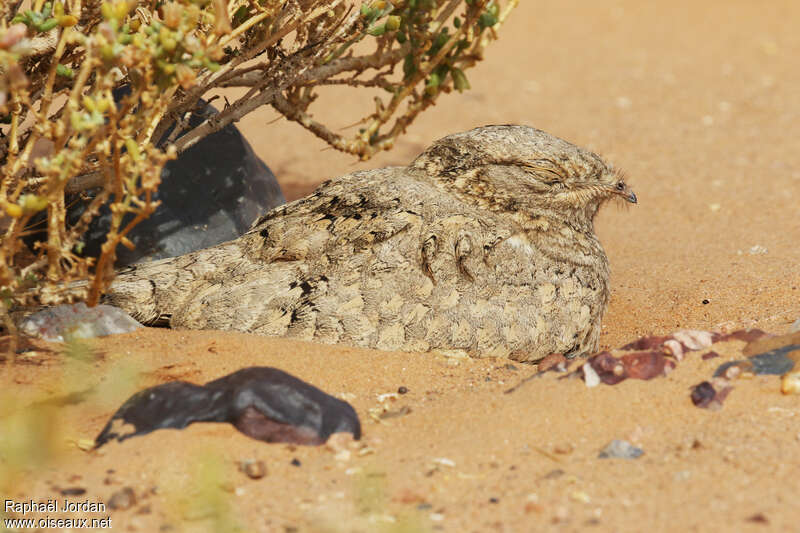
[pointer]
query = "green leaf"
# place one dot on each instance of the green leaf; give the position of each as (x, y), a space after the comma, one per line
(487, 20)
(63, 70)
(47, 25)
(377, 31)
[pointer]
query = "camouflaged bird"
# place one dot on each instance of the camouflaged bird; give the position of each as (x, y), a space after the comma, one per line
(484, 244)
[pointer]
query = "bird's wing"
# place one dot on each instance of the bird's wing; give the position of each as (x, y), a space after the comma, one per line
(341, 218)
(266, 275)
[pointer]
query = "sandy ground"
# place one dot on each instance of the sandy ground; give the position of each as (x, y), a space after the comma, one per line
(697, 101)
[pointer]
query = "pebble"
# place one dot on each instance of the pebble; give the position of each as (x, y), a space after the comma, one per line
(210, 194)
(55, 324)
(703, 394)
(253, 469)
(125, 498)
(73, 491)
(790, 383)
(590, 377)
(620, 449)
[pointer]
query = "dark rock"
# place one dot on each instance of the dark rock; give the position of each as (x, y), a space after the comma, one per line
(263, 403)
(402, 390)
(296, 462)
(703, 394)
(775, 362)
(710, 355)
(210, 194)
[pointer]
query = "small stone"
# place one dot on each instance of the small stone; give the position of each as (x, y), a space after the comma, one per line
(644, 365)
(758, 518)
(693, 339)
(710, 355)
(580, 496)
(343, 456)
(296, 462)
(73, 491)
(645, 343)
(494, 500)
(554, 474)
(590, 377)
(125, 498)
(55, 324)
(757, 249)
(703, 394)
(706, 301)
(790, 383)
(552, 361)
(607, 368)
(564, 448)
(402, 389)
(620, 449)
(253, 469)
(396, 413)
(533, 507)
(85, 444)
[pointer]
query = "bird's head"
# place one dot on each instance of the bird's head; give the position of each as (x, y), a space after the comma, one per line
(520, 169)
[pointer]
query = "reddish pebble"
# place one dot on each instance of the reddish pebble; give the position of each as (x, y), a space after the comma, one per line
(551, 361)
(746, 335)
(609, 369)
(644, 365)
(645, 343)
(710, 355)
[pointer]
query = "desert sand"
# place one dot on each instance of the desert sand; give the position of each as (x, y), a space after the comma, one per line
(698, 103)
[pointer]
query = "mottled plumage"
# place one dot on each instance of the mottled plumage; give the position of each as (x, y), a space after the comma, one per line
(485, 244)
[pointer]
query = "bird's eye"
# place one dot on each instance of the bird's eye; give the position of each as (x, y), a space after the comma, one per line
(620, 185)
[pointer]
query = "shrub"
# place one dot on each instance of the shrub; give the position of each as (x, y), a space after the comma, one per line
(63, 130)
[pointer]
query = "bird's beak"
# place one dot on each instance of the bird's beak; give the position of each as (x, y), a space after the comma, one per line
(626, 193)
